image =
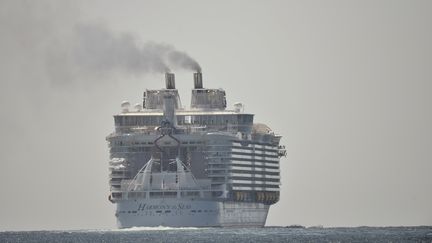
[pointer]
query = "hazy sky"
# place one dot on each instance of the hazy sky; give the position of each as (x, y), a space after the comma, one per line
(346, 83)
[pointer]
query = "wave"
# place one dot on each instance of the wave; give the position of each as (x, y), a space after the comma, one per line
(155, 228)
(158, 228)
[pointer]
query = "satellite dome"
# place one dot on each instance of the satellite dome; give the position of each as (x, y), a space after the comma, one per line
(125, 106)
(138, 107)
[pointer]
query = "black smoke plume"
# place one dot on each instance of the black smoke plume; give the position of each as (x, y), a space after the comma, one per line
(98, 49)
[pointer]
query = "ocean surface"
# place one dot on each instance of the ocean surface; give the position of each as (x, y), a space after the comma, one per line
(226, 235)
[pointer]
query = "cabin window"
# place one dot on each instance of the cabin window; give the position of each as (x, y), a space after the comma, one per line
(188, 119)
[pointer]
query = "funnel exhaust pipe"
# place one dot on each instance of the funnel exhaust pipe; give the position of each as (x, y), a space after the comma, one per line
(198, 84)
(169, 80)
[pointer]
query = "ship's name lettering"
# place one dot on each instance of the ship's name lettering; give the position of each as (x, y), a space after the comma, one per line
(145, 206)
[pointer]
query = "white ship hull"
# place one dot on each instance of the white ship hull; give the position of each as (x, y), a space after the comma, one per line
(206, 166)
(175, 212)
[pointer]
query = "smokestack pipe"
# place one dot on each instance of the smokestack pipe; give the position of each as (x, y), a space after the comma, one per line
(198, 84)
(169, 80)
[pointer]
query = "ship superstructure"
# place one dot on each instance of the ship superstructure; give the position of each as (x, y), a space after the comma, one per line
(203, 166)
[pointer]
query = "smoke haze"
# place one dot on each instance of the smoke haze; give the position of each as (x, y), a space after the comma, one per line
(95, 50)
(100, 50)
(71, 49)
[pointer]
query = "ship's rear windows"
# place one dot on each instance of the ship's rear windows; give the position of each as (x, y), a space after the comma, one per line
(137, 120)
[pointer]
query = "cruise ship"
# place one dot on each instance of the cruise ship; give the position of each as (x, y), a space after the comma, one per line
(206, 166)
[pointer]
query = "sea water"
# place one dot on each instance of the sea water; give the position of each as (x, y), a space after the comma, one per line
(226, 235)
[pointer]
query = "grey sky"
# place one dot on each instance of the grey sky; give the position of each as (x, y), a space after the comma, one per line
(347, 84)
